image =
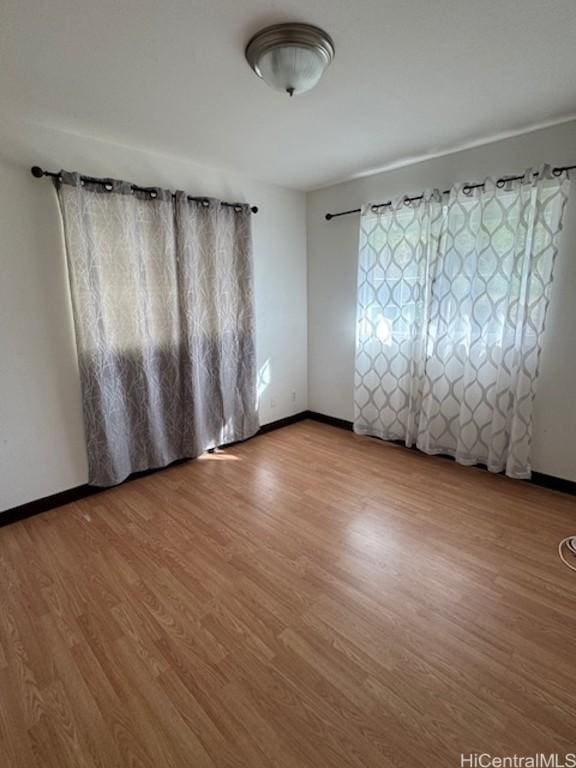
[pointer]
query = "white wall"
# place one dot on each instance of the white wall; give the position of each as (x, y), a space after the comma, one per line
(332, 261)
(41, 433)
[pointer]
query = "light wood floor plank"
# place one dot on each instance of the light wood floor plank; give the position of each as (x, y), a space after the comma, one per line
(307, 599)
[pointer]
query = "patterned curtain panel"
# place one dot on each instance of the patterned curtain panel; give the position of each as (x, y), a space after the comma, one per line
(452, 300)
(162, 295)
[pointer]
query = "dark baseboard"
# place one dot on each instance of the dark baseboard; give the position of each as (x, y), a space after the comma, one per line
(37, 506)
(538, 478)
(47, 503)
(332, 420)
(554, 483)
(83, 491)
(296, 417)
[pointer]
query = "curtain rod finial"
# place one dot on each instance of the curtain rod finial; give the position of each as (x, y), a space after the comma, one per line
(254, 209)
(36, 171)
(328, 216)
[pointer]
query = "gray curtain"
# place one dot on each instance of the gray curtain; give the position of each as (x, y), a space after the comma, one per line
(162, 296)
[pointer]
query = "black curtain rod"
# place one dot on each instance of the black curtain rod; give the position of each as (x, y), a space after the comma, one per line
(466, 189)
(38, 173)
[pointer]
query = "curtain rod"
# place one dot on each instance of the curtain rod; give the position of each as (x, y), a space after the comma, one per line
(38, 173)
(467, 188)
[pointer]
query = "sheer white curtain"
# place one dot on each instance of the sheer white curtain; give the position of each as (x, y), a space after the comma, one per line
(162, 295)
(452, 299)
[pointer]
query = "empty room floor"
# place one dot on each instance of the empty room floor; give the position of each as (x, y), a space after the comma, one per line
(307, 598)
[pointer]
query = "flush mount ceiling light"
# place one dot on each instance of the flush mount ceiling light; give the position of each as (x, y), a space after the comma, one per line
(290, 57)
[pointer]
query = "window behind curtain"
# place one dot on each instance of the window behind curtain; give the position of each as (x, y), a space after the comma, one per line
(452, 298)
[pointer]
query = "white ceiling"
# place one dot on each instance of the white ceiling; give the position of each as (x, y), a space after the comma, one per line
(411, 78)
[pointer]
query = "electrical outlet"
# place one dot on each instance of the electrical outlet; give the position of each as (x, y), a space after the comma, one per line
(293, 395)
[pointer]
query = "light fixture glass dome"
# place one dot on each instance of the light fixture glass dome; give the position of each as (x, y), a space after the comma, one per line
(290, 57)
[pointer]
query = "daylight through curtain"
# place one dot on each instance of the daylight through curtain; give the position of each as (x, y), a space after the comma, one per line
(162, 295)
(452, 299)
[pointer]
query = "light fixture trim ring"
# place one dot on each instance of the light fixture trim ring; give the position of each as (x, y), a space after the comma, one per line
(291, 34)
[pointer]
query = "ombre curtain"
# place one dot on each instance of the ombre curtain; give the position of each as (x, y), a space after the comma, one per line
(452, 299)
(163, 304)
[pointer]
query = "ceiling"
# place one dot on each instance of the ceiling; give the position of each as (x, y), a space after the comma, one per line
(410, 79)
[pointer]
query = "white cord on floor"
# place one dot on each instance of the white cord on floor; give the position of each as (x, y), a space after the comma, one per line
(568, 542)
